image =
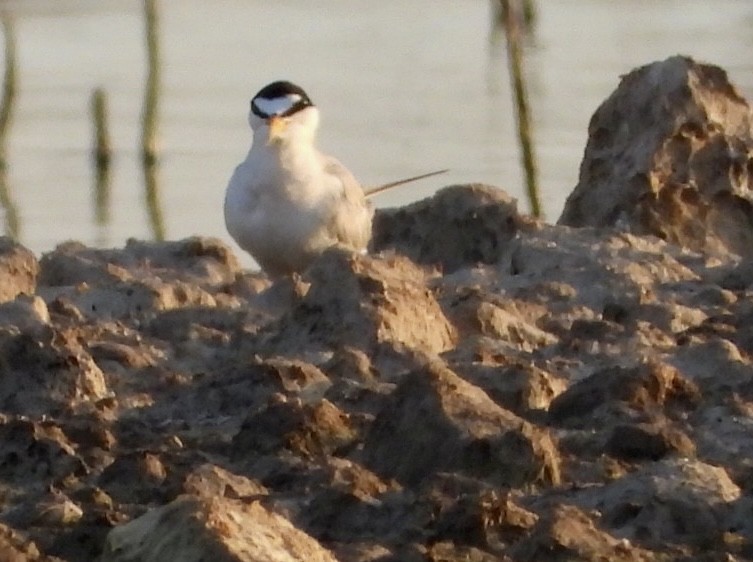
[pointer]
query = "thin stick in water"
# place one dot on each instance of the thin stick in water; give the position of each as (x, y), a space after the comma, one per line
(515, 66)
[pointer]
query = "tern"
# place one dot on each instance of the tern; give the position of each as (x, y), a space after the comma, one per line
(287, 202)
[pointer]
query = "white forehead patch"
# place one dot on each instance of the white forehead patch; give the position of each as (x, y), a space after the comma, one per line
(275, 106)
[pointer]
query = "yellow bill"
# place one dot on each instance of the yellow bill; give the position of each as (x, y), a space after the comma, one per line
(277, 126)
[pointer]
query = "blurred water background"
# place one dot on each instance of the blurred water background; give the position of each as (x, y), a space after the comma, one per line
(404, 87)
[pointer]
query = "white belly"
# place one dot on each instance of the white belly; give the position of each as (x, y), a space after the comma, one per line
(283, 233)
(285, 216)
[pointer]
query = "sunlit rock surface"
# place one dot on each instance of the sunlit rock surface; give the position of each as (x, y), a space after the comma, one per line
(669, 154)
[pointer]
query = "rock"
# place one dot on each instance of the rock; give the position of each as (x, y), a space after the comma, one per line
(362, 302)
(672, 501)
(351, 363)
(134, 477)
(196, 261)
(495, 316)
(307, 429)
(56, 510)
(136, 298)
(648, 441)
(483, 519)
(722, 434)
(217, 529)
(604, 268)
(18, 269)
(336, 514)
(572, 535)
(459, 226)
(36, 453)
(14, 547)
(701, 361)
(209, 480)
(435, 421)
(26, 313)
(514, 384)
(47, 370)
(647, 387)
(668, 155)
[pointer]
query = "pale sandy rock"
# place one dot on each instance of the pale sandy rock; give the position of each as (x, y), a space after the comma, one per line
(212, 325)
(26, 313)
(514, 384)
(348, 476)
(723, 434)
(493, 315)
(703, 361)
(674, 500)
(668, 155)
(312, 430)
(362, 302)
(128, 353)
(19, 270)
(37, 449)
(193, 529)
(436, 421)
(127, 299)
(72, 263)
(460, 225)
(601, 266)
(351, 363)
(200, 260)
(573, 535)
(196, 260)
(56, 510)
(361, 552)
(212, 405)
(610, 394)
(209, 480)
(47, 371)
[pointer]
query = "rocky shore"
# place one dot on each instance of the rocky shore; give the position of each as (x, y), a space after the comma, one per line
(482, 386)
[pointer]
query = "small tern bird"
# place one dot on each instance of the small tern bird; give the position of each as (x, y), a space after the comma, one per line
(287, 202)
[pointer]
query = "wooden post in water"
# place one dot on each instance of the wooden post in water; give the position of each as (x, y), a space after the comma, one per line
(150, 133)
(12, 222)
(101, 156)
(513, 19)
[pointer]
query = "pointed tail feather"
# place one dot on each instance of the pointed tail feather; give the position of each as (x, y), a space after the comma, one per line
(374, 190)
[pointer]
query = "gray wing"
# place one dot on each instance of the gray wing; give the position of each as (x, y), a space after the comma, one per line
(350, 223)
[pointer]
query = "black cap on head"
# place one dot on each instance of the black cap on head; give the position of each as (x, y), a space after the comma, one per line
(284, 91)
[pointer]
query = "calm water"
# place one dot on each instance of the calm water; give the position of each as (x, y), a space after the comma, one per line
(404, 87)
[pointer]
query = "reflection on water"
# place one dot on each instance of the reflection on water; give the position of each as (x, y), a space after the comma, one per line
(402, 87)
(153, 201)
(525, 14)
(150, 132)
(101, 159)
(12, 226)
